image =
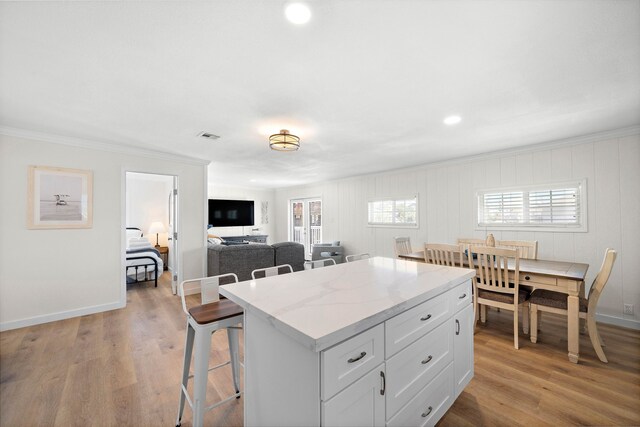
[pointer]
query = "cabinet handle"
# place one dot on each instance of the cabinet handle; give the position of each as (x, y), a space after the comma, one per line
(457, 327)
(463, 296)
(426, 318)
(384, 383)
(355, 359)
(527, 278)
(427, 360)
(426, 414)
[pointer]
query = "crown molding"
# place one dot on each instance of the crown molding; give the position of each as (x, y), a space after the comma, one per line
(111, 147)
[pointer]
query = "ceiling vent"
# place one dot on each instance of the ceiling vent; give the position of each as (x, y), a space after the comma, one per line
(208, 135)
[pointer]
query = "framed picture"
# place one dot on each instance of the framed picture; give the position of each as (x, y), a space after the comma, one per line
(59, 198)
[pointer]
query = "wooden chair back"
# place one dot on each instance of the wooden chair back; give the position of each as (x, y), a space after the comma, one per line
(208, 287)
(526, 248)
(356, 257)
(319, 263)
(601, 279)
(402, 246)
(492, 268)
(441, 254)
(465, 243)
(260, 273)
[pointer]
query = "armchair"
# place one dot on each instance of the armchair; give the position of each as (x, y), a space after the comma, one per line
(321, 251)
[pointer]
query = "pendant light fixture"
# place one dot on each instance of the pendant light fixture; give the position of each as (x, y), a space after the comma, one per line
(284, 141)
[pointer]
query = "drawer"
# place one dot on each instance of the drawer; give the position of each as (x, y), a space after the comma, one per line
(405, 328)
(461, 296)
(350, 360)
(533, 279)
(415, 366)
(429, 405)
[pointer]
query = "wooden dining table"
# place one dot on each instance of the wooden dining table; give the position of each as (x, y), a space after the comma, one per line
(558, 276)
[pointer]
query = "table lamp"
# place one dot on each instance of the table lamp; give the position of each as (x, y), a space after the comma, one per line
(156, 228)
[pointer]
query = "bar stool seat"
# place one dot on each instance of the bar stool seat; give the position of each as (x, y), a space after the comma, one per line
(215, 311)
(202, 321)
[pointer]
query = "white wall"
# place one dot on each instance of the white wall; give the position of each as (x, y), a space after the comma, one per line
(48, 275)
(258, 195)
(147, 202)
(446, 201)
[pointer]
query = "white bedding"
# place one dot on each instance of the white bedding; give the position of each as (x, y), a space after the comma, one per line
(131, 272)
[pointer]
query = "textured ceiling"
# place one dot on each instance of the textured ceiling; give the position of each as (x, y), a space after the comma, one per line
(366, 84)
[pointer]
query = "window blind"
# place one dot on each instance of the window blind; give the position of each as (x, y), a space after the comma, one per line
(559, 205)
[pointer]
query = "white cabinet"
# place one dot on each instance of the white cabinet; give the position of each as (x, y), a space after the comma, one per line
(351, 359)
(415, 366)
(421, 358)
(360, 404)
(463, 348)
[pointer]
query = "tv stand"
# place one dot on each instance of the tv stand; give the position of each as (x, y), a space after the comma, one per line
(255, 238)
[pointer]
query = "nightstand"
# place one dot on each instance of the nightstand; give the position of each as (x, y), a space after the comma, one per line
(164, 255)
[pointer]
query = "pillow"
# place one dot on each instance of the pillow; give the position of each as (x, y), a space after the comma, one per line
(133, 234)
(215, 240)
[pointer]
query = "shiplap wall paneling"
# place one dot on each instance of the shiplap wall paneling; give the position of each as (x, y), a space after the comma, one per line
(608, 230)
(447, 207)
(630, 223)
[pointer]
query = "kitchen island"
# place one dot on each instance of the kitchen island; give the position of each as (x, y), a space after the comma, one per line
(374, 342)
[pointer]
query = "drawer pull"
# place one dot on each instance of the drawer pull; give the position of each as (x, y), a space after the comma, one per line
(527, 278)
(426, 414)
(463, 296)
(355, 359)
(427, 360)
(426, 318)
(384, 383)
(457, 327)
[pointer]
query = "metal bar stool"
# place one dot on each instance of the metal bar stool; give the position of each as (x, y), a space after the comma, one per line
(202, 321)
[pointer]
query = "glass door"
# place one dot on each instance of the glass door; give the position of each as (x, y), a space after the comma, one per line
(306, 222)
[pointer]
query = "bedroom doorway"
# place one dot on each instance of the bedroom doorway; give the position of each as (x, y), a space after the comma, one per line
(151, 206)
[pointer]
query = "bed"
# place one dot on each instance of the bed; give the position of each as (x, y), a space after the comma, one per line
(143, 261)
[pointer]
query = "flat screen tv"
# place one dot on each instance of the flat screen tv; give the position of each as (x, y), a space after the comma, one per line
(230, 213)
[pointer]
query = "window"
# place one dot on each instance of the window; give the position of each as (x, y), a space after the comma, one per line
(556, 207)
(394, 213)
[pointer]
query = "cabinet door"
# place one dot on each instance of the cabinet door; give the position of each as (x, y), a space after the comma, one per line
(360, 404)
(463, 348)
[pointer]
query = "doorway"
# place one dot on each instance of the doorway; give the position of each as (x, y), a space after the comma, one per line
(305, 222)
(151, 206)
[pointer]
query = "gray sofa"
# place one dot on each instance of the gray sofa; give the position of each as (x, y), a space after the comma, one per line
(243, 259)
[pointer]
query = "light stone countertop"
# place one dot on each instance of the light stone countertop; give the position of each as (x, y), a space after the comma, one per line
(322, 307)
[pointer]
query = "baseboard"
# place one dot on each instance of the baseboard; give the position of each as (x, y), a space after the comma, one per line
(611, 320)
(46, 318)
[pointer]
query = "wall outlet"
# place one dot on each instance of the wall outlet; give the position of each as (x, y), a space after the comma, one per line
(628, 309)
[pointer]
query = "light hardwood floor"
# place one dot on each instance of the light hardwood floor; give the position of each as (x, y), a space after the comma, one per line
(123, 368)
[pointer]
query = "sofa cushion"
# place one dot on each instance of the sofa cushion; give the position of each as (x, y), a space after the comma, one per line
(291, 253)
(239, 259)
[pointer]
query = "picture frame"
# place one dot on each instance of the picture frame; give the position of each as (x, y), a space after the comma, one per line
(59, 198)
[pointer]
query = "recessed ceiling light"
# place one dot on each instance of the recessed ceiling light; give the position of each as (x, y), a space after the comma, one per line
(452, 120)
(297, 13)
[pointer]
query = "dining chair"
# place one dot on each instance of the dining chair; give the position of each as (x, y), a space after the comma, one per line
(492, 286)
(260, 273)
(402, 246)
(556, 302)
(202, 321)
(527, 249)
(442, 254)
(465, 243)
(356, 257)
(319, 263)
